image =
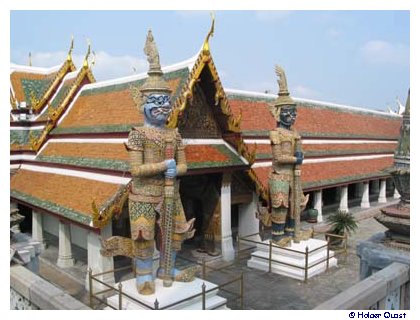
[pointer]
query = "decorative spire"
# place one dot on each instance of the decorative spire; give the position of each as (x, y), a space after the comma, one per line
(206, 46)
(30, 59)
(407, 105)
(402, 153)
(155, 83)
(70, 49)
(85, 61)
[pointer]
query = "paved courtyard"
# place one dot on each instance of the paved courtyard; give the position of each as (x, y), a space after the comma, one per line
(262, 290)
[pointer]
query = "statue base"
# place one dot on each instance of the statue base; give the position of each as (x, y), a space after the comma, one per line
(167, 296)
(288, 263)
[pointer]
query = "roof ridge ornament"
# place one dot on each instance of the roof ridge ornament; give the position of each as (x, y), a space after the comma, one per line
(85, 61)
(30, 59)
(407, 105)
(206, 46)
(70, 49)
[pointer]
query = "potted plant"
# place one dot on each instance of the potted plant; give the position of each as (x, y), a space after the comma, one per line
(342, 223)
(312, 215)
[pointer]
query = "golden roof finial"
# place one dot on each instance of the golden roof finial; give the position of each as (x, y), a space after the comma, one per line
(70, 49)
(85, 61)
(30, 59)
(206, 46)
(93, 59)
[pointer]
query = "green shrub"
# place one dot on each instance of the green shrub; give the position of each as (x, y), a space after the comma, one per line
(342, 222)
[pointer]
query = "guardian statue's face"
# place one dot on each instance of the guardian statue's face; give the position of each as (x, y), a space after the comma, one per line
(288, 115)
(157, 109)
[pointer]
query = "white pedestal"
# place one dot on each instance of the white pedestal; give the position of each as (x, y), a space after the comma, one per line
(258, 259)
(167, 296)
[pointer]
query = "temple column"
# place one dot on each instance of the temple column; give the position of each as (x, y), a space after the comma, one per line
(318, 203)
(382, 191)
(65, 257)
(96, 261)
(344, 199)
(396, 193)
(248, 222)
(228, 253)
(37, 234)
(365, 198)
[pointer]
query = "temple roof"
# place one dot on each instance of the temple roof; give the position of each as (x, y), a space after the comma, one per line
(35, 85)
(66, 196)
(114, 157)
(90, 133)
(80, 168)
(108, 106)
(311, 150)
(315, 175)
(315, 118)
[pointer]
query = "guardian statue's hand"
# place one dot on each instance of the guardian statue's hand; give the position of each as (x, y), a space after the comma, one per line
(170, 168)
(170, 164)
(299, 157)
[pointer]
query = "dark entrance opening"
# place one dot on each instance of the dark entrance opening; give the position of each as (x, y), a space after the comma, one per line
(26, 224)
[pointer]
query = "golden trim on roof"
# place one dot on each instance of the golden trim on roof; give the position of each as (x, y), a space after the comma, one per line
(55, 114)
(70, 49)
(13, 102)
(204, 59)
(261, 190)
(100, 218)
(85, 60)
(206, 46)
(68, 66)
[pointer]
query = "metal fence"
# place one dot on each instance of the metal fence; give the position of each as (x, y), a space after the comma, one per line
(118, 289)
(306, 254)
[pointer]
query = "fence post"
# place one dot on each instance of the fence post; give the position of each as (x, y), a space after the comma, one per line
(270, 253)
(241, 290)
(203, 295)
(90, 288)
(120, 296)
(306, 263)
(328, 253)
(345, 244)
(156, 304)
(203, 263)
(237, 245)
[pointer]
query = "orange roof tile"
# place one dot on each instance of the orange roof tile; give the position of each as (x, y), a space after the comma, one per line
(87, 150)
(64, 195)
(311, 150)
(329, 173)
(316, 121)
(18, 88)
(106, 106)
